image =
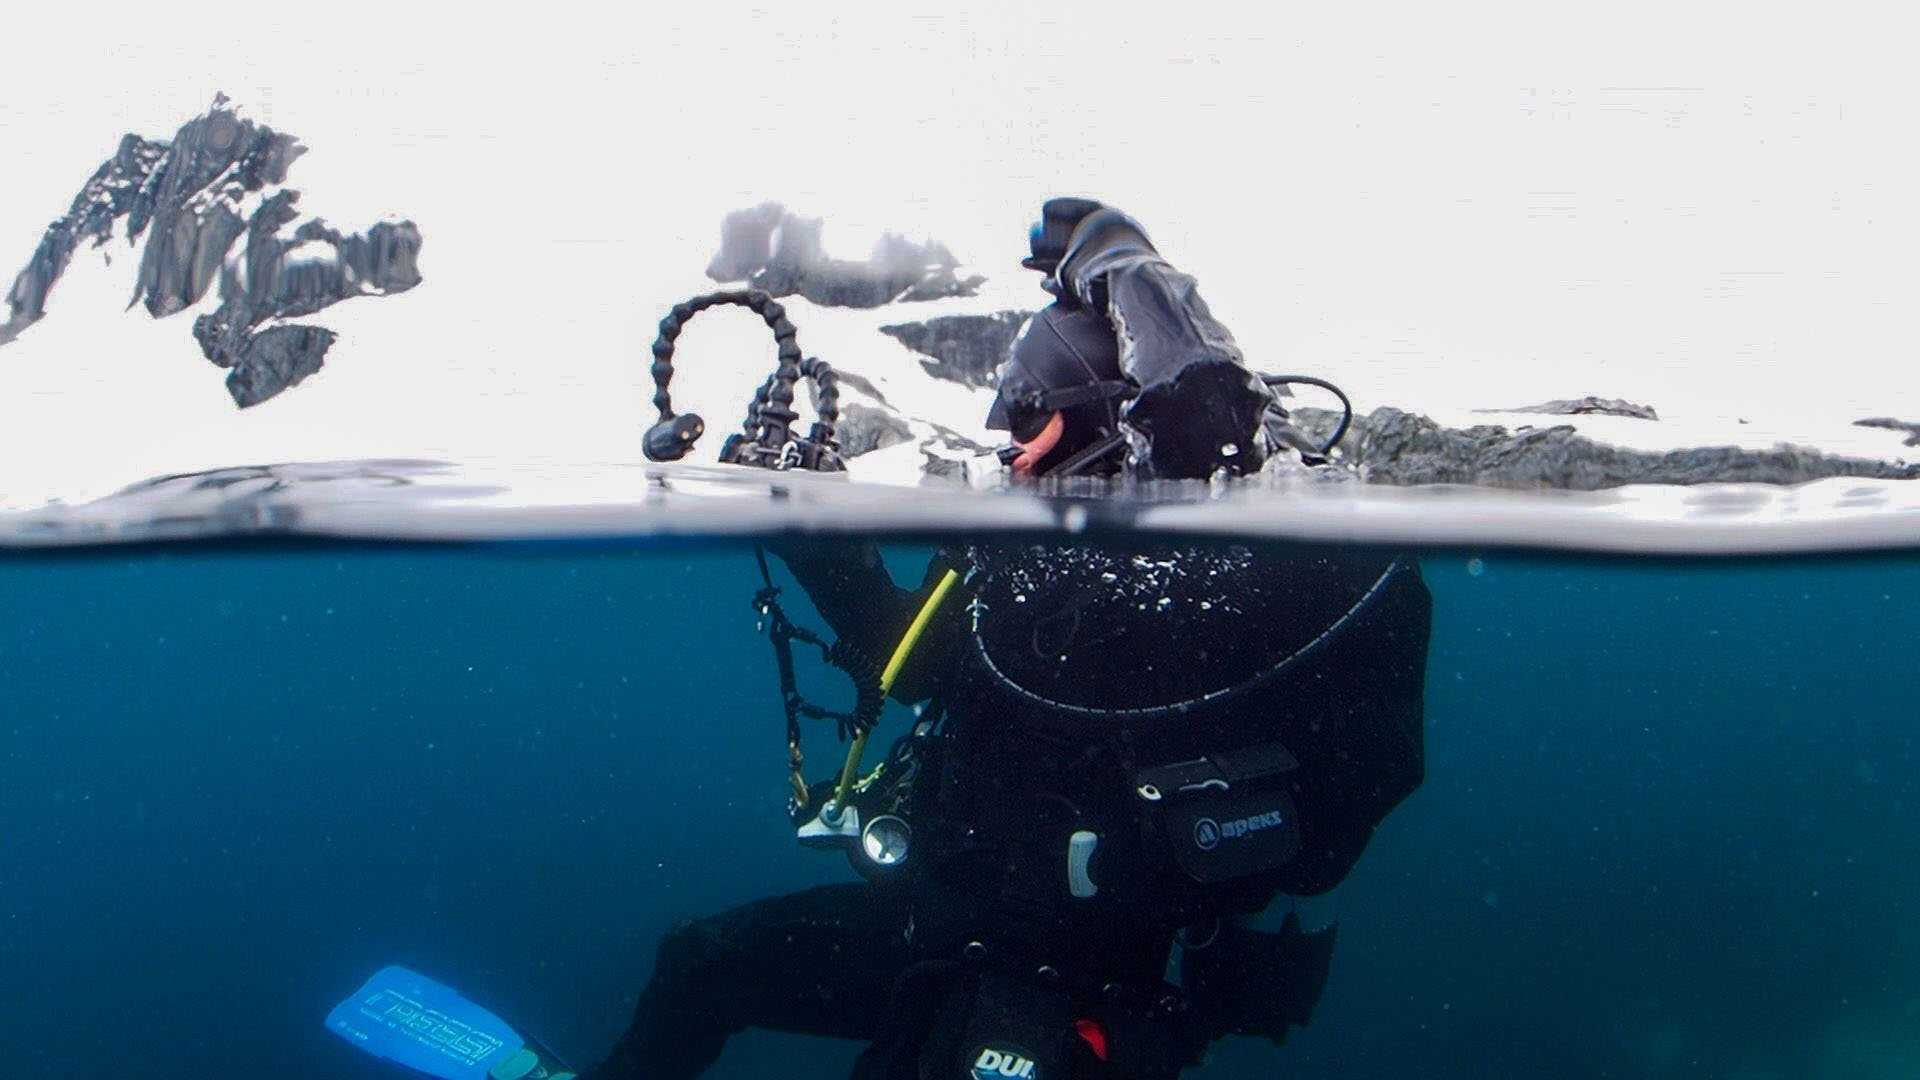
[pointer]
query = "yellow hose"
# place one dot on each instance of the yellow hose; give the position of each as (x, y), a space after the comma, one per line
(892, 672)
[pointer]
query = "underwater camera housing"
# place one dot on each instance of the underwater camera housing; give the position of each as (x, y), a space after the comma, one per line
(766, 440)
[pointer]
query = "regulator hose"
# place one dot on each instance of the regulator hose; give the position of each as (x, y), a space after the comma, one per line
(1346, 405)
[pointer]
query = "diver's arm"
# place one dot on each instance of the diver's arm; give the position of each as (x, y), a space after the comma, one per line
(849, 584)
(1198, 408)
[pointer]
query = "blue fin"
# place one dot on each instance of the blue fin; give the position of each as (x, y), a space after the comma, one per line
(405, 1017)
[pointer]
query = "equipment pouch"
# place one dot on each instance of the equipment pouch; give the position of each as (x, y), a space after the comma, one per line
(1223, 816)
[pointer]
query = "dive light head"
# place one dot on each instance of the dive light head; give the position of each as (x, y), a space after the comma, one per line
(672, 438)
(885, 841)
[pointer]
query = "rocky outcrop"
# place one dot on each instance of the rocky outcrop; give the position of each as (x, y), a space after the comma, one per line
(1396, 447)
(194, 202)
(945, 455)
(216, 186)
(109, 195)
(864, 428)
(771, 248)
(961, 348)
(1911, 429)
(277, 278)
(1586, 406)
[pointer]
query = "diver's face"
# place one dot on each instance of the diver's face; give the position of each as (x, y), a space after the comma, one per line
(1032, 450)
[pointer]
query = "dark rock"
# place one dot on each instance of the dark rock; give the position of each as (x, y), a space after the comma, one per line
(1912, 429)
(187, 198)
(771, 248)
(961, 348)
(958, 443)
(946, 469)
(315, 269)
(863, 429)
(746, 242)
(857, 382)
(275, 359)
(109, 194)
(1586, 406)
(193, 200)
(1402, 448)
(944, 457)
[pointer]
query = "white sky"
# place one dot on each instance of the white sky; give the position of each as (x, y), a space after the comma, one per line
(1707, 208)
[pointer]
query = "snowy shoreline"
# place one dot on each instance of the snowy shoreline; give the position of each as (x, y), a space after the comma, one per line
(532, 349)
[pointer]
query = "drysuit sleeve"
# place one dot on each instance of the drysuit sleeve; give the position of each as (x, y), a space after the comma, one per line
(1199, 408)
(850, 586)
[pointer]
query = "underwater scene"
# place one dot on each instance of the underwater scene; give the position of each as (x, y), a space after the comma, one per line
(1591, 817)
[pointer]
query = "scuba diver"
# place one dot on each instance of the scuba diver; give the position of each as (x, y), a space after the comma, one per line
(1120, 757)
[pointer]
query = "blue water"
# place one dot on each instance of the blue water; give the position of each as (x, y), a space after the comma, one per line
(1669, 826)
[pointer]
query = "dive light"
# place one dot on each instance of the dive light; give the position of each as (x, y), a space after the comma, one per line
(885, 841)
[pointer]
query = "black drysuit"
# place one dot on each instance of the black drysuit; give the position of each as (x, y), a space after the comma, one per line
(1056, 666)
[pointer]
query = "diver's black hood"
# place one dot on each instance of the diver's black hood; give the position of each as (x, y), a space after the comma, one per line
(1065, 360)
